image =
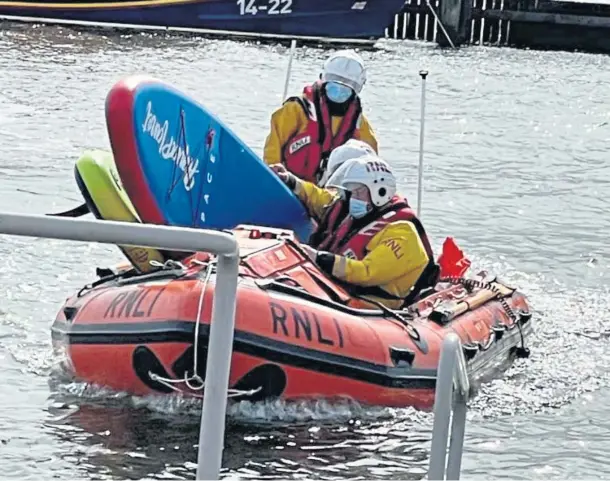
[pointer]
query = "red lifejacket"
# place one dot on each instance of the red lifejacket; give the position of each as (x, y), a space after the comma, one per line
(341, 234)
(306, 154)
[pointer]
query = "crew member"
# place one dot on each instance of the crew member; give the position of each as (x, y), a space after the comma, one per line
(306, 128)
(351, 149)
(367, 236)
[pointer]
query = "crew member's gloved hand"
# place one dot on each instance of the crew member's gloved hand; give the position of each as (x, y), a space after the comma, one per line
(285, 176)
(324, 260)
(311, 253)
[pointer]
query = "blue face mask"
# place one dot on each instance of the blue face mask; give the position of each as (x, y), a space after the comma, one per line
(358, 208)
(338, 93)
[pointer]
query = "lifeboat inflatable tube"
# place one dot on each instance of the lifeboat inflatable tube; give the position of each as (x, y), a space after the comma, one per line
(297, 333)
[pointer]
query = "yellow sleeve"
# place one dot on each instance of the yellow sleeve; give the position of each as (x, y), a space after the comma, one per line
(315, 198)
(367, 134)
(286, 121)
(395, 251)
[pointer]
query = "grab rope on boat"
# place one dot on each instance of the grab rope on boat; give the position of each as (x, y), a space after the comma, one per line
(169, 264)
(195, 382)
(105, 275)
(471, 284)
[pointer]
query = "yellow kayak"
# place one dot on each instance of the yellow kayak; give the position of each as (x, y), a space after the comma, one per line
(99, 182)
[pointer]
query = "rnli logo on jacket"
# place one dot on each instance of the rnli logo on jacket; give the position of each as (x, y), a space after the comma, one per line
(299, 144)
(394, 247)
(349, 254)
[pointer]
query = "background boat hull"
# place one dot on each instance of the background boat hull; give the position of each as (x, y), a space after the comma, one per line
(316, 18)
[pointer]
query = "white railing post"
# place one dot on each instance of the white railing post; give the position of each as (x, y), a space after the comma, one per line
(223, 306)
(451, 374)
(220, 349)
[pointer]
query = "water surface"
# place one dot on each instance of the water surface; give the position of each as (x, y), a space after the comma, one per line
(515, 170)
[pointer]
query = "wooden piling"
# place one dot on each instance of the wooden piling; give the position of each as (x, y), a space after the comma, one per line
(455, 16)
(544, 24)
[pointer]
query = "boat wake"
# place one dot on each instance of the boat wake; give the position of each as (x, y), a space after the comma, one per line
(276, 412)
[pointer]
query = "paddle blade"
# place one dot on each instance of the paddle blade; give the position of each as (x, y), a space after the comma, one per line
(452, 261)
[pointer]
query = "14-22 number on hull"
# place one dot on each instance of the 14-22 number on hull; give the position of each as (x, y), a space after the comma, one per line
(273, 7)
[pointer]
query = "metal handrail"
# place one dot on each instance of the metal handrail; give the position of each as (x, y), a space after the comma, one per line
(211, 434)
(452, 385)
(451, 397)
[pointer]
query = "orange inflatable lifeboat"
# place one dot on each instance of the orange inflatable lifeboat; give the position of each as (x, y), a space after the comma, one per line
(298, 334)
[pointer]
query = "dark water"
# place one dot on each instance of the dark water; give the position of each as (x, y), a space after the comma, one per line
(516, 170)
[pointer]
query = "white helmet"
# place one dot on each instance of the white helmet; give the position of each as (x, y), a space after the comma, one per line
(349, 150)
(345, 67)
(371, 171)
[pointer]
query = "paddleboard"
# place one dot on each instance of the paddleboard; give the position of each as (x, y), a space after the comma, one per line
(181, 165)
(98, 180)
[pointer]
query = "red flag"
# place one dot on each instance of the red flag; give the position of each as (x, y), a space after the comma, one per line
(452, 261)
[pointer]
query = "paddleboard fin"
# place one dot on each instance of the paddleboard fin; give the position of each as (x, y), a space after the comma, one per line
(79, 211)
